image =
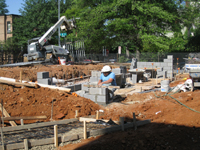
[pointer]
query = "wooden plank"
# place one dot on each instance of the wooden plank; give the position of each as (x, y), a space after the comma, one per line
(25, 144)
(37, 125)
(24, 118)
(5, 113)
(84, 130)
(93, 120)
(56, 135)
(18, 83)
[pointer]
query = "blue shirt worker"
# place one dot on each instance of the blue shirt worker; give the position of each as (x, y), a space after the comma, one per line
(107, 77)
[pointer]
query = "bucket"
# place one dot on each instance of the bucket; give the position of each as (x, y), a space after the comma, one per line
(63, 61)
(165, 86)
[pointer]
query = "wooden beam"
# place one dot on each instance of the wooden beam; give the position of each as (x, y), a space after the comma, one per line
(37, 125)
(24, 118)
(93, 120)
(5, 113)
(18, 83)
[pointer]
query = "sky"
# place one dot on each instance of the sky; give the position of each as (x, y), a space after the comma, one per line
(14, 6)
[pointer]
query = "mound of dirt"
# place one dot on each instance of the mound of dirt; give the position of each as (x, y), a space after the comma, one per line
(158, 108)
(35, 102)
(57, 71)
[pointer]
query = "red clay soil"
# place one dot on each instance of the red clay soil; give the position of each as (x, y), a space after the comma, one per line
(36, 102)
(58, 71)
(173, 125)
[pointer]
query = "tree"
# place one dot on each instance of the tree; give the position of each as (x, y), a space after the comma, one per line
(37, 17)
(3, 6)
(134, 24)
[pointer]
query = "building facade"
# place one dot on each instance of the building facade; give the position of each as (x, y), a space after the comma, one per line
(6, 27)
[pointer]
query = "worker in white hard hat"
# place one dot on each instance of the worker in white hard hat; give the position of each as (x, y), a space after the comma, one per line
(107, 77)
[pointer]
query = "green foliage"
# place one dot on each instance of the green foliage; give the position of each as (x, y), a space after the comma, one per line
(3, 6)
(135, 24)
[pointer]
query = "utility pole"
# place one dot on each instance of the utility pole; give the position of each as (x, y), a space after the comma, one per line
(58, 19)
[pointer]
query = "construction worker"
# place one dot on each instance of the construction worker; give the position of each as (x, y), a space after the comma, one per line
(107, 77)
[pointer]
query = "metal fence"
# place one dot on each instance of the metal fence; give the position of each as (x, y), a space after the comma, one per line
(11, 56)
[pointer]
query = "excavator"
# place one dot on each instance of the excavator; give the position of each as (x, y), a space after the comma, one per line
(39, 51)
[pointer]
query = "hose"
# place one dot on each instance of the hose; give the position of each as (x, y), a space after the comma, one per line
(166, 94)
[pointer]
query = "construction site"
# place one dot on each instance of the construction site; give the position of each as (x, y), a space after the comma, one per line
(62, 107)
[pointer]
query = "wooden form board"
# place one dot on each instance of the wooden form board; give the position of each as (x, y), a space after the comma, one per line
(37, 125)
(5, 113)
(24, 118)
(93, 120)
(18, 83)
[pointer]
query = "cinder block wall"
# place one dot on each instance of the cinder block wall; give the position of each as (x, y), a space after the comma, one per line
(165, 67)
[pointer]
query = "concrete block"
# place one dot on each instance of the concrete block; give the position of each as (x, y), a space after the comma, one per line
(170, 57)
(90, 96)
(46, 81)
(160, 69)
(168, 61)
(83, 87)
(169, 64)
(167, 68)
(99, 91)
(132, 67)
(102, 99)
(156, 64)
(75, 87)
(96, 73)
(81, 93)
(42, 75)
(161, 64)
(116, 70)
(134, 78)
(94, 79)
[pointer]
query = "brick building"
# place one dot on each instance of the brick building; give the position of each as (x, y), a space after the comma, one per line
(6, 28)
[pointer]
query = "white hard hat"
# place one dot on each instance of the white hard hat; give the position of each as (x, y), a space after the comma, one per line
(106, 69)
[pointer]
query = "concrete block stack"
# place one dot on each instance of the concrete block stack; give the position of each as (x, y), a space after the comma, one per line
(97, 95)
(43, 78)
(95, 76)
(165, 68)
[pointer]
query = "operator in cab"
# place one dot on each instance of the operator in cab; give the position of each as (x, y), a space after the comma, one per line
(107, 77)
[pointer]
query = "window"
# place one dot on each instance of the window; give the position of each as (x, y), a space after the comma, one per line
(8, 27)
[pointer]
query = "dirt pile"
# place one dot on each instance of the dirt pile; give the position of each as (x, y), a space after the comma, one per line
(35, 102)
(58, 71)
(159, 109)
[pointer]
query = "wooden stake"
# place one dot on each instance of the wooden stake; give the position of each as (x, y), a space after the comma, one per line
(5, 113)
(121, 119)
(20, 76)
(84, 130)
(56, 135)
(22, 122)
(134, 121)
(25, 144)
(156, 79)
(97, 115)
(141, 89)
(76, 113)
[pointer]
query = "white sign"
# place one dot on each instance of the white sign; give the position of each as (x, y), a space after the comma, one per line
(119, 49)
